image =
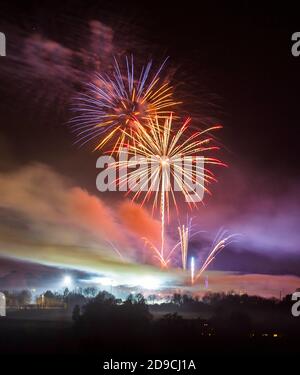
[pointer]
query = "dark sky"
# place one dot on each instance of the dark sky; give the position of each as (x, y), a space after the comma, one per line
(238, 55)
(231, 62)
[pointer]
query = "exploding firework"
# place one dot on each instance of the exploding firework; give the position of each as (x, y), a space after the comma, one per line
(164, 154)
(186, 233)
(113, 103)
(222, 240)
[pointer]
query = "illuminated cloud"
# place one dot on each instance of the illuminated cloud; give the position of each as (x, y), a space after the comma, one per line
(139, 221)
(45, 218)
(264, 212)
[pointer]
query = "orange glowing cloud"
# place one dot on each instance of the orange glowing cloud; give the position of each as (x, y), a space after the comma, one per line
(59, 214)
(93, 214)
(138, 221)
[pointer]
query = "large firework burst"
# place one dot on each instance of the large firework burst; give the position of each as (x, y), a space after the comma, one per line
(114, 103)
(164, 154)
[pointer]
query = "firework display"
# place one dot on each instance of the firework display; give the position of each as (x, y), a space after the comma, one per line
(138, 114)
(143, 223)
(164, 154)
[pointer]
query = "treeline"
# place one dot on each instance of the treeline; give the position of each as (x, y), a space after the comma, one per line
(105, 322)
(214, 302)
(210, 302)
(18, 298)
(67, 298)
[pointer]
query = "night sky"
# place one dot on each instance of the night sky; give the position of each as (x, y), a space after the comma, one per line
(230, 64)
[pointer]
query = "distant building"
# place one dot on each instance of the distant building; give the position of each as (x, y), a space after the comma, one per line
(49, 300)
(2, 305)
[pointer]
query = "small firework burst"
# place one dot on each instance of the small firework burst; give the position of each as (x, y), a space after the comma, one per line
(222, 240)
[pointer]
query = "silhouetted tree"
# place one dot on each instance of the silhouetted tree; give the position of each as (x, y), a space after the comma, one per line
(74, 299)
(90, 291)
(152, 298)
(177, 299)
(24, 297)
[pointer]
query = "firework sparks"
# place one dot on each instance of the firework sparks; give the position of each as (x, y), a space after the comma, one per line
(115, 103)
(134, 113)
(116, 250)
(184, 241)
(221, 241)
(161, 152)
(185, 234)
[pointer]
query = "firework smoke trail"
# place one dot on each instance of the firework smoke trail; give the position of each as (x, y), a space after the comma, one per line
(116, 102)
(221, 241)
(161, 151)
(45, 71)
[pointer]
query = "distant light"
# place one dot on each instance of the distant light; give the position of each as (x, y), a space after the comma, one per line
(67, 281)
(275, 335)
(149, 282)
(105, 281)
(144, 282)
